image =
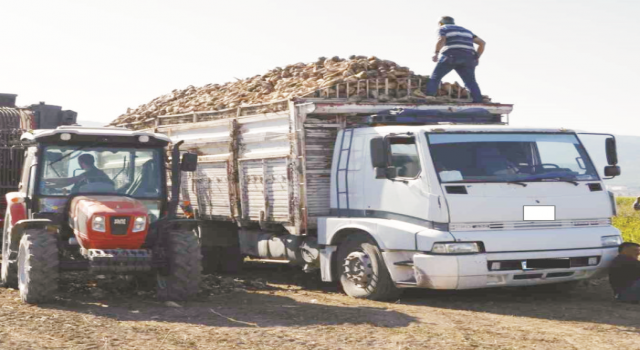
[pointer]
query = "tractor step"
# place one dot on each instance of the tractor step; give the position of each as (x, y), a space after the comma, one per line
(118, 260)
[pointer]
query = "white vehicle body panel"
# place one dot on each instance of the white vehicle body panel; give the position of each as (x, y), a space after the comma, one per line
(297, 168)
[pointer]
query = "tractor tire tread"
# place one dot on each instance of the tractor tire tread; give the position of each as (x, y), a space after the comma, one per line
(9, 269)
(42, 260)
(185, 267)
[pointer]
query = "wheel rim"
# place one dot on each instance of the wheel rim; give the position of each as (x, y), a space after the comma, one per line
(357, 268)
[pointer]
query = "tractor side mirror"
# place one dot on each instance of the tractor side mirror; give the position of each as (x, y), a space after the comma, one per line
(612, 170)
(612, 154)
(189, 162)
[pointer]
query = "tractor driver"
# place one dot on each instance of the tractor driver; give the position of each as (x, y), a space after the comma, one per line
(91, 175)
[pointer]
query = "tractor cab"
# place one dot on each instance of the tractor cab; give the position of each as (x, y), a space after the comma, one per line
(98, 197)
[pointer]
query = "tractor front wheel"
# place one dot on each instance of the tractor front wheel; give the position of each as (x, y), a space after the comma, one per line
(181, 281)
(9, 269)
(38, 264)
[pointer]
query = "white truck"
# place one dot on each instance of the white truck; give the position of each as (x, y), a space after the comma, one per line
(382, 196)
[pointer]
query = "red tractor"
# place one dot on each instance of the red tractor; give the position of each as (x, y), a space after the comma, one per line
(96, 199)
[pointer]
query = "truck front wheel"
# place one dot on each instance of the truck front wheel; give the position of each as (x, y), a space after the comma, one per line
(9, 269)
(38, 264)
(181, 281)
(362, 271)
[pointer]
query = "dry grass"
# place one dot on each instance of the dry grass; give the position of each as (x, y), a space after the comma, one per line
(290, 310)
(628, 220)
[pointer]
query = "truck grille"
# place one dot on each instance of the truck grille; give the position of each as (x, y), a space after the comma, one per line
(119, 225)
(528, 225)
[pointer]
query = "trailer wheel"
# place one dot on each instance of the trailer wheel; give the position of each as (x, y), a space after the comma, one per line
(362, 271)
(182, 280)
(9, 269)
(38, 264)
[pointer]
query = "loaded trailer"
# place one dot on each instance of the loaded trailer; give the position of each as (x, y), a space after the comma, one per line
(383, 196)
(14, 122)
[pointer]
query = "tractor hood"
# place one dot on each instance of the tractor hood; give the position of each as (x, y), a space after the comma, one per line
(116, 215)
(107, 205)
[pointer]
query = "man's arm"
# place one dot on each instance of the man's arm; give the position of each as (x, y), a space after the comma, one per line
(439, 45)
(480, 44)
(63, 182)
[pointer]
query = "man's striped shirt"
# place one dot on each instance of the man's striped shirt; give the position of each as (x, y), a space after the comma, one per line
(457, 37)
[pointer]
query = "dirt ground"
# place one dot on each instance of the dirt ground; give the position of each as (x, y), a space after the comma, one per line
(276, 307)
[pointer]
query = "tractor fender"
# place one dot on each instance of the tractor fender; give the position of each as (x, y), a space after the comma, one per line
(16, 208)
(181, 224)
(23, 225)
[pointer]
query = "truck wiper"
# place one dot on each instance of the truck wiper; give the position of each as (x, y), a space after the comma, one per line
(558, 179)
(517, 183)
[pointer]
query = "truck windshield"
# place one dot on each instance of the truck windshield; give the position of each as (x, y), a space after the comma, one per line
(500, 157)
(111, 170)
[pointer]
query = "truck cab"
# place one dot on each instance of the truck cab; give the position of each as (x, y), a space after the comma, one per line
(461, 207)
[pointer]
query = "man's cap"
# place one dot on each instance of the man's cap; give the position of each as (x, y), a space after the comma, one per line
(446, 20)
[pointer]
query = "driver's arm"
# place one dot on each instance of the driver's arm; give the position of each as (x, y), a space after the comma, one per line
(63, 182)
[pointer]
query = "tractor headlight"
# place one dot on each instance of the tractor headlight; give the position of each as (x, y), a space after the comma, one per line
(456, 248)
(139, 224)
(98, 224)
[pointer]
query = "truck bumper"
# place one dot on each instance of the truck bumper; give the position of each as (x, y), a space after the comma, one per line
(419, 270)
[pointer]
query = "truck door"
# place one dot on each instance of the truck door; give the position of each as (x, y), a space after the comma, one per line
(404, 195)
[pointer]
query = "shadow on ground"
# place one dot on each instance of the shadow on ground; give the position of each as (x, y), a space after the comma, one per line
(592, 301)
(235, 306)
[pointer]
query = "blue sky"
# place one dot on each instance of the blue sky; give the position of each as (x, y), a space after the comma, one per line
(561, 63)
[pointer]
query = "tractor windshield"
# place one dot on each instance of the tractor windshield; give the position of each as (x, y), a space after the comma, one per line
(111, 170)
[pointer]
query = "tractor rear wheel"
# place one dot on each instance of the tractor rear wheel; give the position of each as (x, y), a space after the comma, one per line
(182, 279)
(38, 264)
(9, 269)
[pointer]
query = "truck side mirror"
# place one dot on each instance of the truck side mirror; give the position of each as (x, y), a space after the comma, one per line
(391, 172)
(189, 162)
(380, 158)
(378, 152)
(612, 170)
(612, 154)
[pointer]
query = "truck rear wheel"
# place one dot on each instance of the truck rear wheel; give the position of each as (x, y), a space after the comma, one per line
(9, 269)
(362, 271)
(38, 264)
(182, 279)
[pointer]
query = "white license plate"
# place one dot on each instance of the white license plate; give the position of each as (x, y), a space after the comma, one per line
(539, 213)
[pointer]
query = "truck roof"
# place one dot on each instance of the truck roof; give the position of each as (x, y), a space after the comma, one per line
(469, 128)
(40, 135)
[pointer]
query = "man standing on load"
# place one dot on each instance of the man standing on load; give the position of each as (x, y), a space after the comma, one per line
(456, 45)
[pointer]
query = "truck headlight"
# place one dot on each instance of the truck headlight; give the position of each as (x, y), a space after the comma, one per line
(611, 241)
(139, 224)
(455, 248)
(97, 224)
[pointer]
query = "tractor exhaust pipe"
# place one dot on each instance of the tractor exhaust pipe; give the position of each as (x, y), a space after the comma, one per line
(175, 180)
